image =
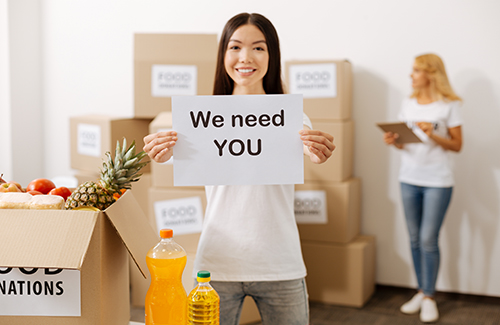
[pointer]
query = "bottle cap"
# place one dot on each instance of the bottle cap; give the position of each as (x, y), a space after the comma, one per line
(166, 233)
(203, 276)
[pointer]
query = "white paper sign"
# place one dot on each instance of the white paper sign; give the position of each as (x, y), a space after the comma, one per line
(39, 292)
(89, 140)
(183, 216)
(313, 80)
(310, 207)
(170, 80)
(238, 140)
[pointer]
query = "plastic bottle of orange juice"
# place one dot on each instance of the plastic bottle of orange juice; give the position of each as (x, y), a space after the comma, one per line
(166, 299)
(203, 302)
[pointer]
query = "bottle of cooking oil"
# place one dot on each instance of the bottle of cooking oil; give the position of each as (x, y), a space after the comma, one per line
(203, 302)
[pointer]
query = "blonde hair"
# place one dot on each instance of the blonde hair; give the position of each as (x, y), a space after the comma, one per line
(434, 68)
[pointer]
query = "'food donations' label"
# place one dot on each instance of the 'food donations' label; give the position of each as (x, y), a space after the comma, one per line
(170, 80)
(313, 80)
(184, 216)
(39, 292)
(310, 207)
(89, 140)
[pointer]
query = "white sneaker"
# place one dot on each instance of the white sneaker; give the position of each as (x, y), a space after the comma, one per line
(429, 312)
(413, 305)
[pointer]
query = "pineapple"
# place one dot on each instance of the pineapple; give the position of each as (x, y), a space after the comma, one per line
(116, 175)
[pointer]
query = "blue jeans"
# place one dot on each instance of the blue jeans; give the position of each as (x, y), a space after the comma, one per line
(425, 208)
(279, 302)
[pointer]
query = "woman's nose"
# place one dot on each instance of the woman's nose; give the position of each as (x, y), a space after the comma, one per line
(245, 56)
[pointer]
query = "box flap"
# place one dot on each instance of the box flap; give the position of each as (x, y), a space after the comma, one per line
(134, 229)
(45, 238)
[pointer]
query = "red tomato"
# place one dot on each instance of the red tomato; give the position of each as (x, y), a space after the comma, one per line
(35, 193)
(61, 191)
(41, 185)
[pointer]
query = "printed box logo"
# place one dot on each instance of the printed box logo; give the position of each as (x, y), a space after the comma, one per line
(314, 80)
(310, 207)
(89, 140)
(184, 216)
(39, 292)
(172, 80)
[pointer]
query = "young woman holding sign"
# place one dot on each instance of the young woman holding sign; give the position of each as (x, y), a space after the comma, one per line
(426, 175)
(250, 242)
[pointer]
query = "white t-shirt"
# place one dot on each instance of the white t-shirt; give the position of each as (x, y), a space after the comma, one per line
(427, 163)
(250, 233)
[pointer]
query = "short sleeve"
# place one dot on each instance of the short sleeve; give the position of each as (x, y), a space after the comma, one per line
(454, 118)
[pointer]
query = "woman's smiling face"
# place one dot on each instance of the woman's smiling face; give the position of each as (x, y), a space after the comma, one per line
(247, 59)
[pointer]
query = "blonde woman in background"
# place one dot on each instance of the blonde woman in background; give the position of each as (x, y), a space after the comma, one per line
(426, 174)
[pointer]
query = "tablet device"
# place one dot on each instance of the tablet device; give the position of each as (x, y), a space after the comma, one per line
(406, 135)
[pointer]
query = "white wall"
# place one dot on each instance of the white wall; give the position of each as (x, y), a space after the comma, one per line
(87, 53)
(5, 125)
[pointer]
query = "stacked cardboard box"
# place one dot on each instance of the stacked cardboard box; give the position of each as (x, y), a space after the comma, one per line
(339, 261)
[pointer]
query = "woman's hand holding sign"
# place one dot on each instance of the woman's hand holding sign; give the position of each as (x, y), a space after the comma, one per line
(318, 145)
(159, 145)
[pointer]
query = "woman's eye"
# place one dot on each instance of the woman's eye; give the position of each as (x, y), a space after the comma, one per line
(259, 48)
(234, 47)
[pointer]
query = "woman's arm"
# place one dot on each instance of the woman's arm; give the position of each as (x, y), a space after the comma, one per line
(318, 145)
(454, 143)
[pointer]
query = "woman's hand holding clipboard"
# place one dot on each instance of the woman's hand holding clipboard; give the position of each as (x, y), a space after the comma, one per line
(405, 134)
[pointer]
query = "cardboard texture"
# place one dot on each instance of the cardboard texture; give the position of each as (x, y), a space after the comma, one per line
(344, 212)
(91, 136)
(199, 50)
(336, 108)
(139, 188)
(340, 165)
(85, 241)
(340, 274)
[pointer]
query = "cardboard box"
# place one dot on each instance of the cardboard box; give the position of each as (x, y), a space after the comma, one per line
(94, 243)
(343, 205)
(140, 189)
(326, 86)
(171, 64)
(340, 165)
(188, 241)
(340, 274)
(93, 135)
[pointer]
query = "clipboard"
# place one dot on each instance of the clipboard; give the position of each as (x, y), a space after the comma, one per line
(406, 135)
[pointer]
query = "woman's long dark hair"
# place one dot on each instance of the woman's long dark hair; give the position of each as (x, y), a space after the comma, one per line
(223, 84)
